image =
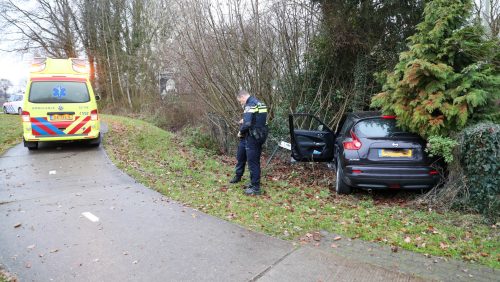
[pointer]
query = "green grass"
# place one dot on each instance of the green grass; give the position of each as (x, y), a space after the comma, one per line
(10, 131)
(294, 203)
(6, 277)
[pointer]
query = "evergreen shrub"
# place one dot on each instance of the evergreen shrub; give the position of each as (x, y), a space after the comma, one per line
(480, 161)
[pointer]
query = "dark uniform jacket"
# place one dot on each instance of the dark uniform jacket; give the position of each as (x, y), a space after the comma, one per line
(254, 119)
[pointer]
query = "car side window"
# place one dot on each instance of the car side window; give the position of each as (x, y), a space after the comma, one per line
(309, 122)
(346, 126)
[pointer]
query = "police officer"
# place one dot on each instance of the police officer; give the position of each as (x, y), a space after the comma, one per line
(241, 157)
(254, 130)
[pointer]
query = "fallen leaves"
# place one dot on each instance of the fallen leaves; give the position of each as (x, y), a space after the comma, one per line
(298, 200)
(432, 230)
(17, 225)
(317, 236)
(443, 246)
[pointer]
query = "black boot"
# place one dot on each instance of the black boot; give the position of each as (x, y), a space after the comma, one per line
(235, 179)
(253, 190)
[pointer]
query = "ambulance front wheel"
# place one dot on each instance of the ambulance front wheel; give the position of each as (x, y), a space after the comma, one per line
(31, 145)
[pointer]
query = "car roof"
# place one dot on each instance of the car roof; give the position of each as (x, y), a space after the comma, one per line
(367, 114)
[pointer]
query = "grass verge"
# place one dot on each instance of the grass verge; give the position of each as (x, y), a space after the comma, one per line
(6, 277)
(10, 131)
(297, 200)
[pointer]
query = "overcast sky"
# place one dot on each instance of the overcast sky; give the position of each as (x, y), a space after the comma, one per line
(13, 67)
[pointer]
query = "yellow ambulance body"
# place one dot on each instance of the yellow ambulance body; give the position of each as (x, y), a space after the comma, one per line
(59, 103)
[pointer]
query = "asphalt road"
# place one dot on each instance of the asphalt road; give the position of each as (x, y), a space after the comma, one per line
(68, 214)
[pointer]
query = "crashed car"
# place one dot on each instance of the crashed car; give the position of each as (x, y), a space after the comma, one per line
(368, 149)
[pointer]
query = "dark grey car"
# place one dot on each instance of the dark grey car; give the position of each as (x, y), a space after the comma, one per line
(368, 149)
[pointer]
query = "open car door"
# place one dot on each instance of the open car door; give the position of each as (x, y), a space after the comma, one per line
(311, 139)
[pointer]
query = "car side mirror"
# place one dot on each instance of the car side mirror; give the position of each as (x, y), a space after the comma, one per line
(97, 98)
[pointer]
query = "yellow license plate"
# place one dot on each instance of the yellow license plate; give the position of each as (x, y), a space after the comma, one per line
(405, 153)
(61, 117)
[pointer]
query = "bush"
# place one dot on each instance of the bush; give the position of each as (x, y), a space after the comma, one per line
(480, 160)
(198, 138)
(441, 146)
(448, 79)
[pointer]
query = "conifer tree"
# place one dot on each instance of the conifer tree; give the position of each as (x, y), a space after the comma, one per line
(450, 76)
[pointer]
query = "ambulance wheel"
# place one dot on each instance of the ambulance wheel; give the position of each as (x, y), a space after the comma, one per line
(31, 145)
(95, 142)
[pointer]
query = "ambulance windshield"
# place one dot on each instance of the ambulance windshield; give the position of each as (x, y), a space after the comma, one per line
(58, 92)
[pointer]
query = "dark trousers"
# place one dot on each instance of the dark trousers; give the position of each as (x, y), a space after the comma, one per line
(254, 150)
(241, 157)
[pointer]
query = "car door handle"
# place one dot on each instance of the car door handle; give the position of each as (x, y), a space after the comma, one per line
(320, 135)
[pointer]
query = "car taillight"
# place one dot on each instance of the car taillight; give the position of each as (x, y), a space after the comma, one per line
(25, 116)
(389, 117)
(433, 172)
(355, 144)
(94, 115)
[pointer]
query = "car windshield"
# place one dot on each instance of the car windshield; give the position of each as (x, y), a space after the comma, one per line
(378, 127)
(58, 92)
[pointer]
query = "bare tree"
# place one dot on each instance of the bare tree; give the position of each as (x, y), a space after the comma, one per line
(45, 25)
(257, 45)
(118, 38)
(489, 13)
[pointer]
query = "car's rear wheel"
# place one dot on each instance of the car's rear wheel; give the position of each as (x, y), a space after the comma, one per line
(5, 110)
(96, 142)
(340, 186)
(31, 145)
(20, 111)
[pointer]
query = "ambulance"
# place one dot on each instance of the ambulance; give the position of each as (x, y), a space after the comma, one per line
(60, 104)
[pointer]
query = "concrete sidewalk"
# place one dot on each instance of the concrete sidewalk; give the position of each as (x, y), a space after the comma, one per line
(67, 214)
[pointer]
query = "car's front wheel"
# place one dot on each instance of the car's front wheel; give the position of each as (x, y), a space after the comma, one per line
(340, 186)
(20, 111)
(5, 110)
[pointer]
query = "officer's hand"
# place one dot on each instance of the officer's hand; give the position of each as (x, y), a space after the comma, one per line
(241, 121)
(240, 135)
